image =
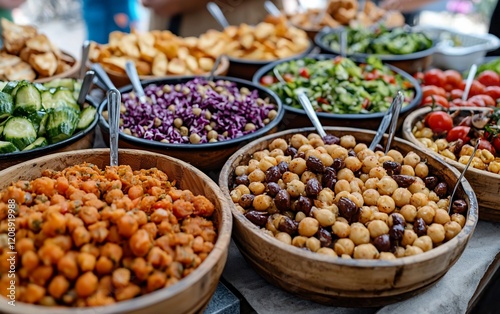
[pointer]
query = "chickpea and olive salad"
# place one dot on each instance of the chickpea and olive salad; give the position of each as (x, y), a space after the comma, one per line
(337, 197)
(197, 111)
(90, 237)
(339, 85)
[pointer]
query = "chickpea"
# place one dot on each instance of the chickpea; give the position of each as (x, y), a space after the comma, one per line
(421, 170)
(448, 154)
(419, 199)
(385, 158)
(357, 198)
(364, 177)
(348, 141)
(365, 153)
(412, 250)
(316, 141)
(275, 153)
(418, 187)
(298, 140)
(324, 216)
(359, 147)
(252, 165)
(353, 163)
(401, 197)
(371, 183)
(298, 166)
(289, 177)
(344, 246)
(342, 185)
(260, 155)
(295, 188)
(306, 176)
(286, 159)
(257, 188)
(308, 227)
(407, 170)
(299, 216)
(396, 155)
(386, 256)
(257, 176)
(357, 185)
(284, 237)
(345, 174)
(278, 143)
(243, 189)
(424, 243)
(409, 237)
(341, 229)
(369, 163)
(326, 196)
(309, 151)
(458, 218)
(313, 244)
(338, 152)
(327, 251)
(377, 227)
(341, 194)
(451, 229)
(240, 170)
(433, 196)
(365, 251)
(436, 233)
(86, 284)
(378, 172)
(326, 159)
(386, 204)
(267, 162)
(399, 251)
(365, 214)
(427, 213)
(441, 216)
(387, 185)
(359, 234)
(411, 159)
(299, 241)
(443, 203)
(381, 216)
(262, 202)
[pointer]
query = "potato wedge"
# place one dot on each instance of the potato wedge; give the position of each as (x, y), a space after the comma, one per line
(45, 63)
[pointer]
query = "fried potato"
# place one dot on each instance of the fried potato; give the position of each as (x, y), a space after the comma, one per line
(176, 66)
(116, 64)
(25, 54)
(206, 64)
(160, 64)
(39, 43)
(20, 71)
(14, 36)
(8, 60)
(62, 67)
(45, 63)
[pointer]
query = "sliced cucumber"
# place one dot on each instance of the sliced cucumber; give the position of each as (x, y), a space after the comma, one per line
(7, 147)
(86, 117)
(59, 99)
(2, 84)
(39, 142)
(9, 87)
(36, 118)
(68, 83)
(27, 99)
(6, 105)
(20, 132)
(43, 123)
(61, 124)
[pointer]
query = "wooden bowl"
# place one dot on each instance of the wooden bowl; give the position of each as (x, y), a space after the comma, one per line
(206, 156)
(80, 140)
(297, 118)
(410, 63)
(485, 184)
(120, 79)
(189, 295)
(72, 72)
(346, 282)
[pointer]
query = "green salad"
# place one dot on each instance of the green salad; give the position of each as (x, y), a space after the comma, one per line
(381, 41)
(339, 85)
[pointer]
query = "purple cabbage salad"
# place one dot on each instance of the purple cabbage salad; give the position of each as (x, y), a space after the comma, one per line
(198, 111)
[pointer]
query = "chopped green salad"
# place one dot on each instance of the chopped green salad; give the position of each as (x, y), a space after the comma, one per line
(339, 85)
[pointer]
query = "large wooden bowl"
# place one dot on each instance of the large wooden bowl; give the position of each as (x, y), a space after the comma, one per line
(297, 118)
(486, 184)
(344, 282)
(189, 295)
(80, 140)
(205, 156)
(71, 72)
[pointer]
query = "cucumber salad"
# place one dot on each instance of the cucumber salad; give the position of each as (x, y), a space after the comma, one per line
(33, 115)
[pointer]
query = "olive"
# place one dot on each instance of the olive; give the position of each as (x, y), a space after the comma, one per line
(300, 155)
(314, 164)
(379, 148)
(257, 218)
(273, 188)
(403, 181)
(392, 167)
(338, 164)
(382, 243)
(304, 204)
(351, 153)
(398, 219)
(431, 182)
(313, 187)
(324, 236)
(459, 206)
(347, 208)
(441, 189)
(283, 167)
(420, 227)
(243, 179)
(282, 200)
(329, 178)
(273, 174)
(287, 225)
(396, 232)
(457, 146)
(290, 151)
(330, 139)
(246, 200)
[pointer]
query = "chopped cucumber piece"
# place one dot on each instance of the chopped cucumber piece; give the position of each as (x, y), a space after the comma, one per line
(86, 117)
(59, 99)
(27, 99)
(41, 128)
(2, 84)
(68, 83)
(9, 87)
(20, 132)
(61, 124)
(36, 118)
(6, 105)
(39, 142)
(7, 147)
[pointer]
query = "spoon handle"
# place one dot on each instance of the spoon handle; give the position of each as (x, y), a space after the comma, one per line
(217, 14)
(215, 67)
(272, 9)
(306, 104)
(468, 83)
(103, 76)
(86, 85)
(462, 175)
(84, 58)
(343, 42)
(114, 99)
(136, 82)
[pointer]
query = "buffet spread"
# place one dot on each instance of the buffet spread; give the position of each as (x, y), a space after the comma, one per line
(349, 218)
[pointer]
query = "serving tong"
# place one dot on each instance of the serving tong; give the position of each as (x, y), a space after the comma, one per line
(390, 120)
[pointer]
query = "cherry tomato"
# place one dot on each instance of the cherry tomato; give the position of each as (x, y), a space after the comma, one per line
(459, 132)
(448, 87)
(304, 73)
(453, 78)
(456, 94)
(485, 144)
(462, 85)
(488, 100)
(419, 76)
(389, 79)
(267, 80)
(436, 99)
(370, 76)
(476, 88)
(288, 77)
(476, 101)
(439, 121)
(489, 78)
(434, 77)
(432, 90)
(458, 102)
(496, 142)
(493, 92)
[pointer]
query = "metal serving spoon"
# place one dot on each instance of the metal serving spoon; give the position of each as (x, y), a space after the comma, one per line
(88, 80)
(391, 118)
(114, 99)
(468, 83)
(272, 9)
(84, 58)
(136, 82)
(217, 14)
(215, 67)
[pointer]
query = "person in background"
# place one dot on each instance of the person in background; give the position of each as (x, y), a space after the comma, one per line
(494, 27)
(191, 17)
(6, 7)
(105, 16)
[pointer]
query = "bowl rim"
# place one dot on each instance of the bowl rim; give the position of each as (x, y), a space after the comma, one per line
(355, 116)
(217, 145)
(47, 149)
(465, 233)
(68, 73)
(135, 304)
(319, 41)
(412, 118)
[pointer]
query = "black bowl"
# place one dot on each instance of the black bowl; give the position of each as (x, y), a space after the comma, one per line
(80, 140)
(205, 156)
(295, 117)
